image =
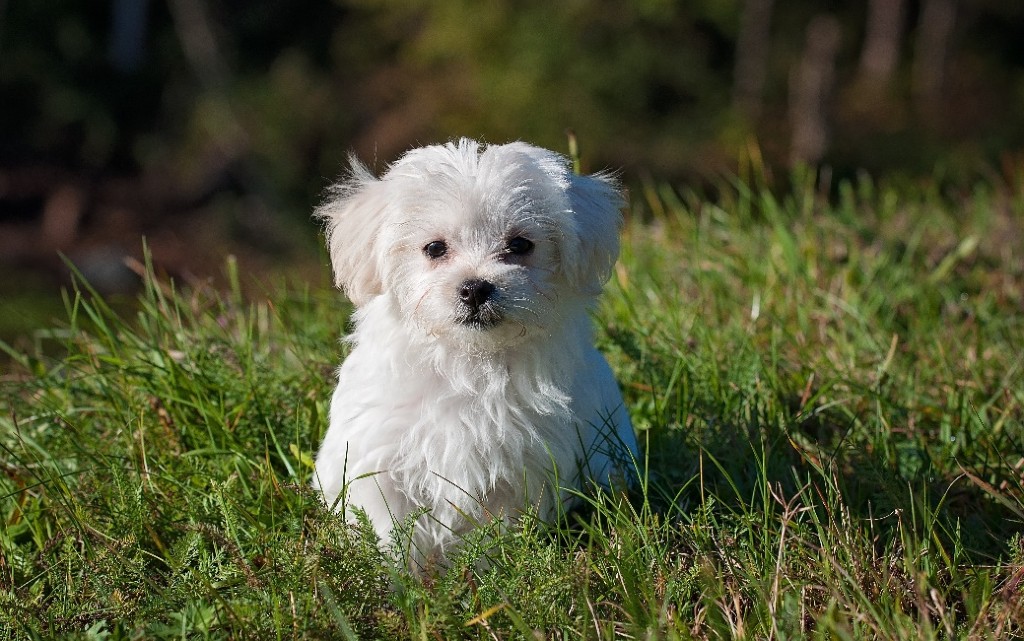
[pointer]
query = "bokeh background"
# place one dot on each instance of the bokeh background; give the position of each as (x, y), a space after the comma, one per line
(212, 127)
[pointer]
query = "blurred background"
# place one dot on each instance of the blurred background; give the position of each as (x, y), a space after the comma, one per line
(212, 127)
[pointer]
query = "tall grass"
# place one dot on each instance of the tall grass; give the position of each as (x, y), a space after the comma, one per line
(829, 396)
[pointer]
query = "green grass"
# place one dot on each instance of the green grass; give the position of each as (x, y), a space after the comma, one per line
(831, 398)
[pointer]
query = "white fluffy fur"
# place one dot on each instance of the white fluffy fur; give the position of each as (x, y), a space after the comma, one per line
(456, 422)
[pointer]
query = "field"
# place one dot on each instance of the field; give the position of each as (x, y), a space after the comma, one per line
(829, 393)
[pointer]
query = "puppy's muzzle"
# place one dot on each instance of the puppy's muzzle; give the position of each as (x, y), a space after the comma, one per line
(477, 298)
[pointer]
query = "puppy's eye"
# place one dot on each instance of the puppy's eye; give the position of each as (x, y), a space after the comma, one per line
(436, 249)
(519, 246)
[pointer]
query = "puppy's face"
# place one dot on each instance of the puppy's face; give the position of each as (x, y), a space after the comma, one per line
(477, 260)
(478, 247)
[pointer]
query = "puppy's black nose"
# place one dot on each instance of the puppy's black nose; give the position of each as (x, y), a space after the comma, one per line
(475, 292)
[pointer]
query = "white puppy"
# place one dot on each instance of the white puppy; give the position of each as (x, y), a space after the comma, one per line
(473, 388)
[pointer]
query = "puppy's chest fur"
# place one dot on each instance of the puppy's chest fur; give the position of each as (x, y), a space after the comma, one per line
(482, 442)
(450, 430)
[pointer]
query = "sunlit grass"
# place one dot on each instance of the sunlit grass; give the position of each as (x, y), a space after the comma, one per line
(830, 398)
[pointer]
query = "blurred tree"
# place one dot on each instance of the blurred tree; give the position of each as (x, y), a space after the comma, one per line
(934, 33)
(880, 55)
(128, 34)
(811, 89)
(872, 98)
(752, 51)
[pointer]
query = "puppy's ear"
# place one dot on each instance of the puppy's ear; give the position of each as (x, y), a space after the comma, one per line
(353, 217)
(596, 204)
